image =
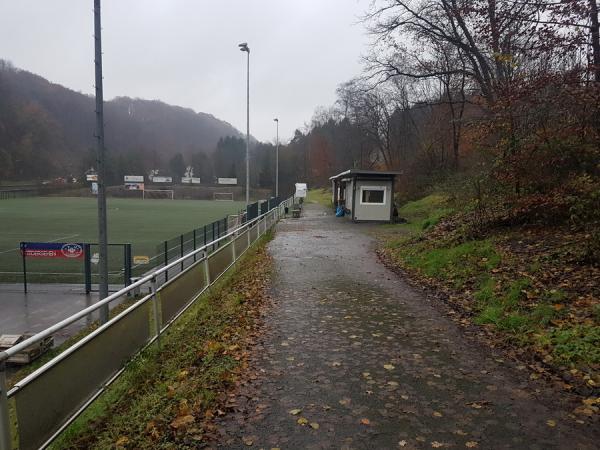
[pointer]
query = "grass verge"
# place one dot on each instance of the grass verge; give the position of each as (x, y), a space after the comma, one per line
(321, 196)
(166, 398)
(519, 284)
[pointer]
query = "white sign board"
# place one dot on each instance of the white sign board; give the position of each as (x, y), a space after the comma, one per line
(301, 189)
(91, 177)
(95, 188)
(227, 181)
(190, 180)
(134, 178)
(158, 179)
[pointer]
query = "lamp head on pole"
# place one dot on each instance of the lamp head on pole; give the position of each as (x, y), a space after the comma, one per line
(244, 47)
(275, 120)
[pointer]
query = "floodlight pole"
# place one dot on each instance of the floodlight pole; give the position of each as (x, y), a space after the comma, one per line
(244, 48)
(277, 161)
(100, 156)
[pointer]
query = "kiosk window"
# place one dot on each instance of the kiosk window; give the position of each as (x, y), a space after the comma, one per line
(373, 196)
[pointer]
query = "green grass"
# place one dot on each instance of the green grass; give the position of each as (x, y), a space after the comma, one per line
(455, 263)
(320, 196)
(143, 223)
(511, 303)
(420, 215)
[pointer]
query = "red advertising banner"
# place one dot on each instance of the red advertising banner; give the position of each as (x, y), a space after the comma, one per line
(70, 250)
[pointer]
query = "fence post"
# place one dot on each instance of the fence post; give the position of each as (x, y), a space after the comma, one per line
(127, 255)
(213, 236)
(87, 267)
(218, 222)
(194, 233)
(181, 249)
(24, 270)
(156, 312)
(5, 438)
(166, 261)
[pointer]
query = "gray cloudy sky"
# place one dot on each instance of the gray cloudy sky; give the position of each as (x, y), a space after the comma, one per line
(184, 52)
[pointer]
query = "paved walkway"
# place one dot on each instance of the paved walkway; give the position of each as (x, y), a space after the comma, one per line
(43, 306)
(352, 357)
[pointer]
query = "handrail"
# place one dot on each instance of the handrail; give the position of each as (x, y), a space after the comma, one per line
(4, 355)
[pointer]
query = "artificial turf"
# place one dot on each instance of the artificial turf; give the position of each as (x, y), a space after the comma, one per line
(143, 223)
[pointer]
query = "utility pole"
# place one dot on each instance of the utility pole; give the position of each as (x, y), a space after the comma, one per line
(100, 156)
(244, 48)
(277, 161)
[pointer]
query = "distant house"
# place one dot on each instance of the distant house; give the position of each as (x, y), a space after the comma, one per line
(366, 195)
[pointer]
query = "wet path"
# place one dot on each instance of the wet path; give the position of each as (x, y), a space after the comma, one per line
(354, 358)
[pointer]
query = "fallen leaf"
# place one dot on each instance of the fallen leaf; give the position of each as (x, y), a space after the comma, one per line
(471, 444)
(388, 367)
(551, 423)
(122, 441)
(402, 443)
(295, 412)
(248, 441)
(314, 425)
(345, 401)
(436, 444)
(302, 421)
(365, 421)
(437, 414)
(182, 421)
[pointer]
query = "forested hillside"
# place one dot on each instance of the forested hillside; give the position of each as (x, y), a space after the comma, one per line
(47, 130)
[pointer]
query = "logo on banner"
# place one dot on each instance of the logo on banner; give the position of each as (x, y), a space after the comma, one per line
(72, 250)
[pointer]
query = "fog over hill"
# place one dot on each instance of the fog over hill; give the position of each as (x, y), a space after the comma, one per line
(48, 130)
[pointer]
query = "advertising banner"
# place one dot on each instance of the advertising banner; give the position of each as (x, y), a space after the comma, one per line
(158, 179)
(227, 181)
(134, 178)
(69, 250)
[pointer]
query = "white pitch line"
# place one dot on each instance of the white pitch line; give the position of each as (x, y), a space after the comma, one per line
(52, 240)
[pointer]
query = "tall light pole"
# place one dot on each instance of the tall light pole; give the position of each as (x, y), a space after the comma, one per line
(277, 160)
(244, 47)
(100, 150)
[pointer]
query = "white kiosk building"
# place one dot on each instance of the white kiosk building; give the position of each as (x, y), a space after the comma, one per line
(366, 195)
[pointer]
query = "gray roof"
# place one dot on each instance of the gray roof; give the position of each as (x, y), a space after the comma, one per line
(356, 172)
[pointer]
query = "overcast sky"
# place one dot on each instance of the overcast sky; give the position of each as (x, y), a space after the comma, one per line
(184, 52)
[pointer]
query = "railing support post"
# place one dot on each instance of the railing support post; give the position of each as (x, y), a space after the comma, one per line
(181, 252)
(5, 437)
(233, 252)
(206, 271)
(155, 306)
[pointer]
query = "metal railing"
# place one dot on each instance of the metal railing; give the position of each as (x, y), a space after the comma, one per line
(43, 404)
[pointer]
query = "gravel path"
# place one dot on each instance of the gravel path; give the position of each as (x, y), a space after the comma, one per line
(352, 357)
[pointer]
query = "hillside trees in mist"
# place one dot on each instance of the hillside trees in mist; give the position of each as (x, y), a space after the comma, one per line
(47, 130)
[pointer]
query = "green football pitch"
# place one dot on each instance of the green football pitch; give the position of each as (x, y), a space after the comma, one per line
(143, 223)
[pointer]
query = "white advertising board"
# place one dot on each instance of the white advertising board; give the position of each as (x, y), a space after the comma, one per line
(91, 177)
(227, 181)
(134, 178)
(159, 179)
(301, 189)
(190, 180)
